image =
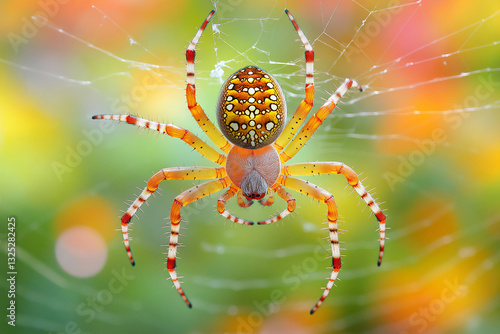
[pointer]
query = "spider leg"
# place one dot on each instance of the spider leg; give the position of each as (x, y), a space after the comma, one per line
(315, 121)
(199, 115)
(270, 200)
(173, 131)
(316, 168)
(244, 203)
(323, 196)
(174, 173)
(221, 206)
(291, 206)
(305, 106)
(193, 194)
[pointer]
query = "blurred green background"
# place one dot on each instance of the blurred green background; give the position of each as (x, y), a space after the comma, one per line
(424, 134)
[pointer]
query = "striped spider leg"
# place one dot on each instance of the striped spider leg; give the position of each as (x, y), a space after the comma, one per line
(255, 141)
(193, 194)
(288, 144)
(221, 205)
(310, 127)
(172, 130)
(199, 115)
(218, 175)
(174, 173)
(318, 168)
(287, 198)
(298, 142)
(305, 106)
(182, 173)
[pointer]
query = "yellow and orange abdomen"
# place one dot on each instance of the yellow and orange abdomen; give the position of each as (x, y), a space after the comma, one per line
(251, 109)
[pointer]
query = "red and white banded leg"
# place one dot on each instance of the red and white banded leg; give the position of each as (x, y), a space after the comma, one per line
(315, 121)
(174, 173)
(173, 131)
(317, 168)
(191, 50)
(305, 106)
(193, 194)
(324, 196)
(221, 206)
(290, 207)
(196, 110)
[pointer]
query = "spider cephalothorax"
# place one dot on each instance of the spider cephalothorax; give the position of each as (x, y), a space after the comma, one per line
(253, 171)
(251, 112)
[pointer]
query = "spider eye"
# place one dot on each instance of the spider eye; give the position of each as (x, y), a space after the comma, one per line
(254, 196)
(251, 109)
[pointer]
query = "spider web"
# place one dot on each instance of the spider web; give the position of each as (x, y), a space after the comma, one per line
(424, 134)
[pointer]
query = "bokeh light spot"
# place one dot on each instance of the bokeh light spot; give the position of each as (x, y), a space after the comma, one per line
(81, 251)
(92, 211)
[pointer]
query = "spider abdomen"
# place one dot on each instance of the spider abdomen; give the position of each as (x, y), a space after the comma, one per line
(251, 109)
(253, 171)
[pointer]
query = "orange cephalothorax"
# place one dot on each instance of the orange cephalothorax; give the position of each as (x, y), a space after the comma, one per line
(253, 171)
(251, 110)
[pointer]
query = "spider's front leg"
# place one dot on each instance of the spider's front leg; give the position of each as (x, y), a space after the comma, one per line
(196, 110)
(323, 196)
(305, 106)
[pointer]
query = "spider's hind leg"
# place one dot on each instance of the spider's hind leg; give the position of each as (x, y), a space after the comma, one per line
(193, 194)
(324, 196)
(317, 168)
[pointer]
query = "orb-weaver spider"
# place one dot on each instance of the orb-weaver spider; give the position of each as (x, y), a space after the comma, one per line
(251, 113)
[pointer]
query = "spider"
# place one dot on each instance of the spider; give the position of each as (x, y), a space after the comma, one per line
(256, 141)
